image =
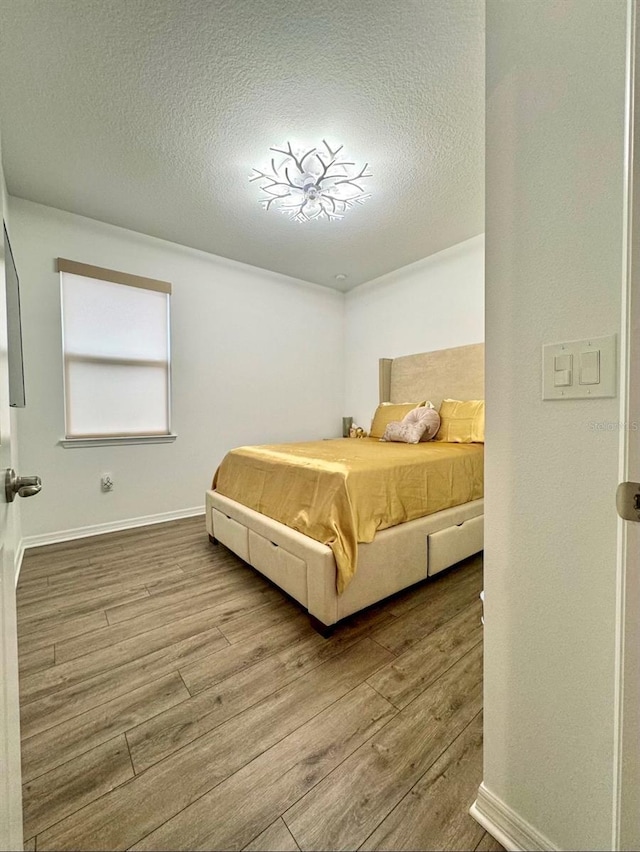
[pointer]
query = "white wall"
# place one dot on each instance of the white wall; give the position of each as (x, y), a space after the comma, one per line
(257, 358)
(435, 303)
(554, 204)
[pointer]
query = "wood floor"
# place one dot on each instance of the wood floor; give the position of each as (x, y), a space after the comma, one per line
(171, 698)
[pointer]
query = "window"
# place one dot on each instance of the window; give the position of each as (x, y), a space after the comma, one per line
(115, 338)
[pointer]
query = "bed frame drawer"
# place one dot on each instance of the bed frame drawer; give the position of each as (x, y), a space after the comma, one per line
(230, 533)
(287, 571)
(449, 546)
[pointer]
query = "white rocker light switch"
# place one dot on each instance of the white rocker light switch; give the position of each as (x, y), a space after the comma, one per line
(563, 362)
(562, 370)
(562, 378)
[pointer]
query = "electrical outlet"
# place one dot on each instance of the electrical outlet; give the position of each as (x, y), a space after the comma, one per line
(106, 482)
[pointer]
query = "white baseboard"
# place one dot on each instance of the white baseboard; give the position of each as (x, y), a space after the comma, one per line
(111, 526)
(506, 826)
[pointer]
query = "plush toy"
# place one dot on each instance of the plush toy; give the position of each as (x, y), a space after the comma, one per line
(357, 432)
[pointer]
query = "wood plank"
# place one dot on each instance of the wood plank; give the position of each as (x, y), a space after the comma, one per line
(127, 814)
(42, 566)
(169, 731)
(64, 675)
(206, 580)
(248, 801)
(368, 785)
(47, 550)
(196, 565)
(111, 634)
(430, 816)
(35, 620)
(208, 593)
(209, 559)
(275, 838)
(489, 844)
(190, 537)
(88, 576)
(192, 576)
(284, 634)
(30, 845)
(94, 546)
(158, 584)
(131, 556)
(36, 660)
(172, 548)
(65, 790)
(56, 558)
(204, 674)
(57, 631)
(68, 601)
(80, 734)
(412, 672)
(417, 623)
(27, 587)
(74, 574)
(91, 579)
(56, 707)
(248, 626)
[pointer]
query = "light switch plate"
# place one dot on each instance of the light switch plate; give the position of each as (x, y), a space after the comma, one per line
(553, 357)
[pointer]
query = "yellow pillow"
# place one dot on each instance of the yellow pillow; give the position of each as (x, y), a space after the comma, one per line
(388, 411)
(461, 422)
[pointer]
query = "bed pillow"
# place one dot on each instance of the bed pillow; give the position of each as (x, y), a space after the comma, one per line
(405, 432)
(388, 411)
(461, 422)
(427, 415)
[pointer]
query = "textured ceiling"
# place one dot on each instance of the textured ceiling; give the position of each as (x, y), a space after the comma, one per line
(150, 114)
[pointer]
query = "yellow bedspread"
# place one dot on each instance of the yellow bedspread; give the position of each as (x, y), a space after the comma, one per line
(340, 492)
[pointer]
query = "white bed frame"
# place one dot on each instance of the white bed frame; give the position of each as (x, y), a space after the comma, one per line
(399, 556)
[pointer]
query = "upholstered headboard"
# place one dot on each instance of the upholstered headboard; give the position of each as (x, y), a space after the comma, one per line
(444, 374)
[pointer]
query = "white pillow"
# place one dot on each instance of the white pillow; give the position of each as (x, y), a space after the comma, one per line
(407, 433)
(429, 417)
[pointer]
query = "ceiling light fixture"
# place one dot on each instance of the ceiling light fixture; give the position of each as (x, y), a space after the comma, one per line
(311, 183)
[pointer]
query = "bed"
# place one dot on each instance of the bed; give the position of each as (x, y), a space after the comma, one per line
(384, 560)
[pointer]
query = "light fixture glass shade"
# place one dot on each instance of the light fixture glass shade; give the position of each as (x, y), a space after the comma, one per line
(311, 183)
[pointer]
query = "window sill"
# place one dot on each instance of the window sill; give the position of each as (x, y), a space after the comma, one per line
(69, 443)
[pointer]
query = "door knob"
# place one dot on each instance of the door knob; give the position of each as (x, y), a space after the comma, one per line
(628, 501)
(23, 486)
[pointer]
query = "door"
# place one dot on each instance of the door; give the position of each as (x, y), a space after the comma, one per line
(10, 779)
(626, 827)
